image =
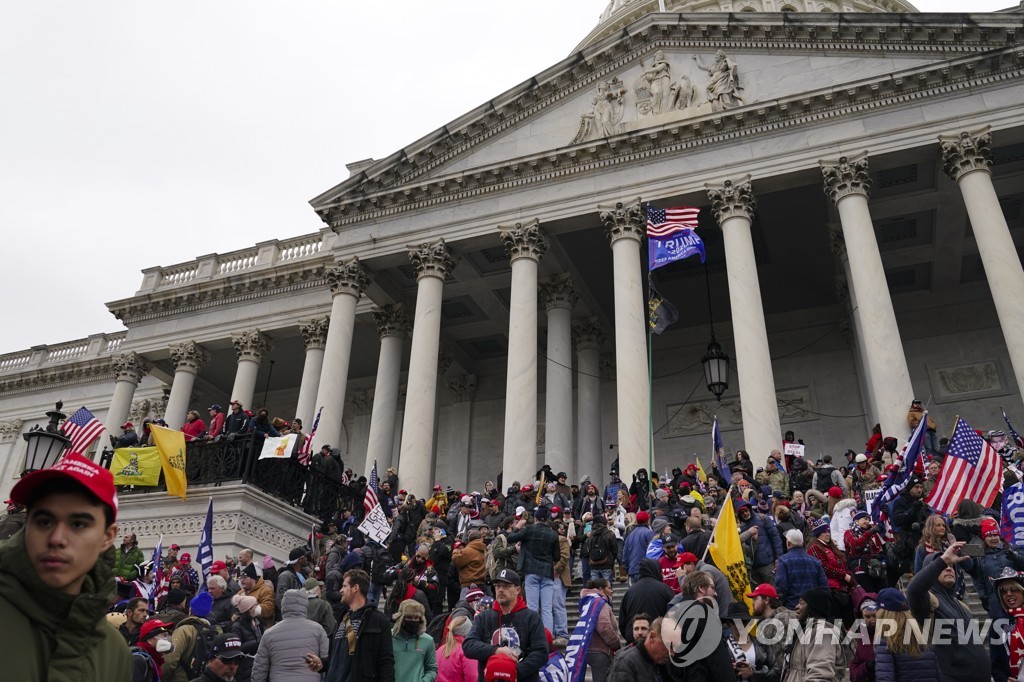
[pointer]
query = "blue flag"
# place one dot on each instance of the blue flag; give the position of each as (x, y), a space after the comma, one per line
(719, 451)
(1011, 529)
(678, 246)
(205, 553)
(572, 667)
(897, 480)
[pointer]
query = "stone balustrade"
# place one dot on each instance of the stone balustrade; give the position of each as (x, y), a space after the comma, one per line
(37, 357)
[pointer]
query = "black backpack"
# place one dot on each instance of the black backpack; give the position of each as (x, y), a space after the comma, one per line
(825, 478)
(195, 663)
(599, 548)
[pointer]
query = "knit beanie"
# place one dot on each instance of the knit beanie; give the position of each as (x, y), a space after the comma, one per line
(250, 572)
(819, 602)
(268, 562)
(201, 604)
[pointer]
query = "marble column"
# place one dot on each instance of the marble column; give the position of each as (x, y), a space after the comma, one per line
(188, 358)
(249, 346)
(433, 262)
(129, 368)
(559, 297)
(847, 183)
(589, 338)
(525, 244)
(347, 281)
(733, 204)
(314, 335)
(625, 226)
(12, 456)
(393, 327)
(967, 159)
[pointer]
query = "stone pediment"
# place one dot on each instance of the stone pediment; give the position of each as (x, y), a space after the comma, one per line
(692, 81)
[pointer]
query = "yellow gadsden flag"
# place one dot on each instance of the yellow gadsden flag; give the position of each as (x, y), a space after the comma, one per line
(171, 445)
(701, 476)
(136, 466)
(727, 553)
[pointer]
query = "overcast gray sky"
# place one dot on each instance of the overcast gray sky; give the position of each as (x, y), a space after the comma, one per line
(136, 134)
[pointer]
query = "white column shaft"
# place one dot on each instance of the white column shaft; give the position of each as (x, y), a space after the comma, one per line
(558, 392)
(244, 390)
(334, 375)
(519, 462)
(120, 405)
(761, 430)
(887, 365)
(632, 397)
(1002, 266)
(416, 456)
(177, 401)
(306, 406)
(588, 414)
(385, 403)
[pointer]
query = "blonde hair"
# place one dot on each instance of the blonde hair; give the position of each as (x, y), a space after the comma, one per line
(928, 535)
(450, 643)
(902, 633)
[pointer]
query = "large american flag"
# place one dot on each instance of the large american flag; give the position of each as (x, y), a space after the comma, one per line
(663, 222)
(370, 501)
(305, 452)
(971, 470)
(82, 428)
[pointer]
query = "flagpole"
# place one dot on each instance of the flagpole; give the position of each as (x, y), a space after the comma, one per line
(650, 366)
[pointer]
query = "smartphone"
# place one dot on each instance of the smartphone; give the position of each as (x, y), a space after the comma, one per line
(972, 550)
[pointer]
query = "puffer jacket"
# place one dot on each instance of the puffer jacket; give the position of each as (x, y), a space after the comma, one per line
(282, 651)
(606, 636)
(819, 657)
(890, 667)
(58, 637)
(635, 548)
(125, 562)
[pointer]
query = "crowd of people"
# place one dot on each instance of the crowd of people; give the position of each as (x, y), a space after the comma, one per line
(474, 585)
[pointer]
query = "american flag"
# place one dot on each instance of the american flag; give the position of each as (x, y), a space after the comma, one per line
(82, 428)
(305, 452)
(897, 480)
(971, 470)
(370, 501)
(663, 222)
(159, 587)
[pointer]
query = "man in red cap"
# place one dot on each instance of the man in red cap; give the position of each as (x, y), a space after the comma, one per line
(54, 587)
(128, 437)
(148, 654)
(773, 617)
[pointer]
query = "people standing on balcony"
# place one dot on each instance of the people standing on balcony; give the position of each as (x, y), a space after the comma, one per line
(128, 437)
(216, 421)
(261, 424)
(194, 427)
(236, 422)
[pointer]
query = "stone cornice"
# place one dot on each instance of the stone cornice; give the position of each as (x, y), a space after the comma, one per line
(391, 185)
(100, 369)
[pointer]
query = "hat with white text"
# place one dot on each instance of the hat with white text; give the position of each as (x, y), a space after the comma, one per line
(96, 480)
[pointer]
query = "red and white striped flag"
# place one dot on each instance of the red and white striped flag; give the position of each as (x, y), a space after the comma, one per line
(971, 470)
(82, 428)
(306, 451)
(664, 222)
(371, 501)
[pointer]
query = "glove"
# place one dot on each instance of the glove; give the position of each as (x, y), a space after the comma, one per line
(878, 528)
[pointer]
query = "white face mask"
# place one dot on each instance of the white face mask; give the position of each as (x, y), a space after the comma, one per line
(164, 645)
(257, 611)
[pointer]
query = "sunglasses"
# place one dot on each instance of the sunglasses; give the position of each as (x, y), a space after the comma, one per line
(228, 661)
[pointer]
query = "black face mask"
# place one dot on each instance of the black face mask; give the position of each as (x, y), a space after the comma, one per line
(418, 561)
(411, 627)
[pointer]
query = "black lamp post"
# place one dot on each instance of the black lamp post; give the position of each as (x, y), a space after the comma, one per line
(45, 444)
(715, 360)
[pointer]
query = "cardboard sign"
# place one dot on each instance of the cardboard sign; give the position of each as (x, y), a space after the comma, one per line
(376, 526)
(869, 497)
(794, 449)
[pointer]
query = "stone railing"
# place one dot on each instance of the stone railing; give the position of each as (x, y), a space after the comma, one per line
(267, 254)
(95, 346)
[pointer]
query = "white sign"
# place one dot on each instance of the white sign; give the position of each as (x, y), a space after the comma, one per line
(793, 449)
(376, 526)
(278, 448)
(869, 497)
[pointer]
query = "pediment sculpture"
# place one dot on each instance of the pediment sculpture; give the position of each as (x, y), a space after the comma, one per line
(656, 97)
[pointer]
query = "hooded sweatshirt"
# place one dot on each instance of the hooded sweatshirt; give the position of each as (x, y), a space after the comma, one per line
(647, 595)
(59, 637)
(521, 628)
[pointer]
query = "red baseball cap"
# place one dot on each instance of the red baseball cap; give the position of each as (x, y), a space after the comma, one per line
(687, 558)
(217, 566)
(71, 467)
(153, 627)
(764, 590)
(185, 558)
(501, 668)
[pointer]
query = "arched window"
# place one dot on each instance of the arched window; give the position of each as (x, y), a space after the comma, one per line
(788, 8)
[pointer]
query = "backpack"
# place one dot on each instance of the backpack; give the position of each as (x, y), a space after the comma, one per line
(195, 664)
(825, 478)
(599, 548)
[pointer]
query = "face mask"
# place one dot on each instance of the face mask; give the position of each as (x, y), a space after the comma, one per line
(418, 561)
(164, 646)
(257, 611)
(411, 627)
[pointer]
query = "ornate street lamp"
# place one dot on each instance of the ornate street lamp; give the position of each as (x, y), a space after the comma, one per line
(716, 368)
(45, 444)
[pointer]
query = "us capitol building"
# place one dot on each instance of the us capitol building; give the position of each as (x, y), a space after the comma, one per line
(475, 301)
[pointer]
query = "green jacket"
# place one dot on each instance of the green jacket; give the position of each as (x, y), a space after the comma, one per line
(415, 658)
(50, 636)
(125, 562)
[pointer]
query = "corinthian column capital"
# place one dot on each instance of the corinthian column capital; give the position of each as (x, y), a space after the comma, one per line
(966, 152)
(314, 332)
(391, 321)
(189, 357)
(250, 345)
(348, 277)
(732, 199)
(558, 291)
(130, 366)
(588, 334)
(431, 259)
(846, 176)
(623, 221)
(523, 240)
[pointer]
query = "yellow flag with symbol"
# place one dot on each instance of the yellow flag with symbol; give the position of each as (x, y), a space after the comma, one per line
(136, 466)
(727, 553)
(171, 446)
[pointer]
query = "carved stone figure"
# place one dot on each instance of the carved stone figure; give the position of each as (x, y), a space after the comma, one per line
(609, 107)
(654, 86)
(723, 82)
(682, 93)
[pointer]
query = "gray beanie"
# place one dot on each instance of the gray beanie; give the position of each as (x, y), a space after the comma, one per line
(658, 524)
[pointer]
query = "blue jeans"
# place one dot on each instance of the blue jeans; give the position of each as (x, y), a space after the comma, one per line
(540, 598)
(585, 563)
(605, 573)
(561, 618)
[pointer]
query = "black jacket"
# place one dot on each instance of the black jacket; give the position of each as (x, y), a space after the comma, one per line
(632, 664)
(374, 658)
(647, 595)
(522, 628)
